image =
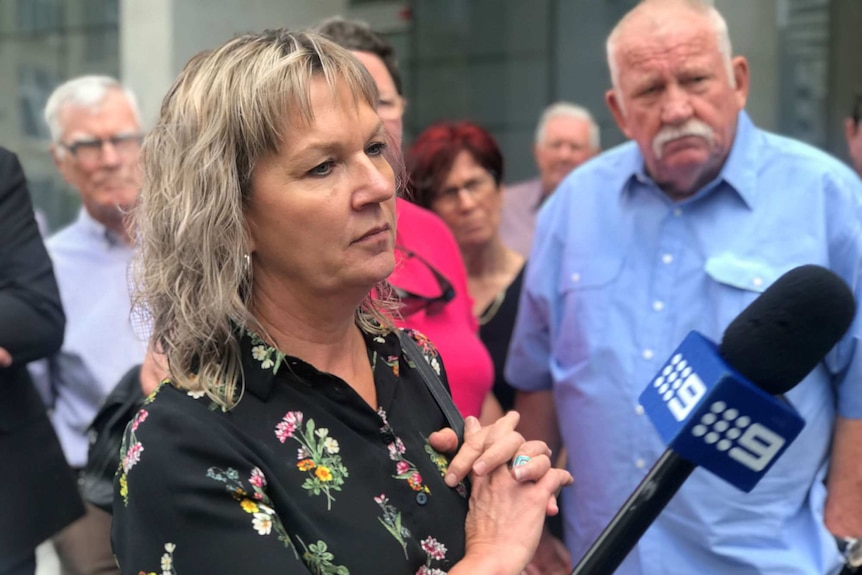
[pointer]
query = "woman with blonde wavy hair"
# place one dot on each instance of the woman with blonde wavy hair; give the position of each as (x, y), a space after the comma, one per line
(295, 434)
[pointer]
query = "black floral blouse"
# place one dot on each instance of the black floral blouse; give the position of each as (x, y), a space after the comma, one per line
(302, 476)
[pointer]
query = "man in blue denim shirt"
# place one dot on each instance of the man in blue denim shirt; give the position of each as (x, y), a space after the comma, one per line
(676, 231)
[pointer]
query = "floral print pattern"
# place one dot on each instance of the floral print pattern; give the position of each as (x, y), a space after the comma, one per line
(432, 356)
(317, 456)
(131, 449)
(391, 520)
(404, 469)
(257, 504)
(268, 356)
(442, 464)
(435, 552)
(167, 563)
(319, 559)
(272, 460)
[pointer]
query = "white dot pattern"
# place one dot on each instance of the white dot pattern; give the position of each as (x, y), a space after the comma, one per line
(721, 426)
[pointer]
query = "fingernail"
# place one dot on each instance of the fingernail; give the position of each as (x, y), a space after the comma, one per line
(470, 424)
(517, 471)
(451, 480)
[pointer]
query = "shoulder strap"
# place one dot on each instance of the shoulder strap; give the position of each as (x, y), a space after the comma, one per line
(435, 386)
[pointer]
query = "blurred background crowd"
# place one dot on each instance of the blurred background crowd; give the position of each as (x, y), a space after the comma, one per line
(495, 62)
(464, 84)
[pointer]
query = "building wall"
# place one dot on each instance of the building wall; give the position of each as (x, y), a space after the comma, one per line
(845, 70)
(500, 62)
(159, 36)
(43, 43)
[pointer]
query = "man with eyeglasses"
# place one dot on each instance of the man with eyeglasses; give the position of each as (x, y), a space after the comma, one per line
(96, 137)
(566, 137)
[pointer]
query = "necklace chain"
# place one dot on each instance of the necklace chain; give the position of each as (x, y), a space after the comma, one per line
(492, 310)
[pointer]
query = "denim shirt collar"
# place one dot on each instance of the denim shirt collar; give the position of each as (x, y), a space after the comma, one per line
(739, 171)
(98, 230)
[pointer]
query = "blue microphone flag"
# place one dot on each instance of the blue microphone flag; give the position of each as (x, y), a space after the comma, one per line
(711, 415)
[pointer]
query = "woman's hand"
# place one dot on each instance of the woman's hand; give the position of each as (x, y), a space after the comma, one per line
(551, 557)
(489, 447)
(506, 519)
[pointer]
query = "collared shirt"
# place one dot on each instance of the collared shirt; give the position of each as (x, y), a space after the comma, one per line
(521, 203)
(619, 274)
(103, 339)
(301, 476)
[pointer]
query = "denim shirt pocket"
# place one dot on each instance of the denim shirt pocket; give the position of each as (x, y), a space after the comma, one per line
(584, 288)
(745, 274)
(738, 282)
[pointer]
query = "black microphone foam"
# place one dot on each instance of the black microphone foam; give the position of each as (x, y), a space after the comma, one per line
(781, 336)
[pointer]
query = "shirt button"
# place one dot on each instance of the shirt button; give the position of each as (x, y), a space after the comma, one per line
(677, 212)
(757, 282)
(667, 259)
(647, 354)
(576, 277)
(639, 409)
(421, 498)
(658, 305)
(640, 463)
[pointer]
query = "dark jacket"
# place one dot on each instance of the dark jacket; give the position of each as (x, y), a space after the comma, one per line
(39, 495)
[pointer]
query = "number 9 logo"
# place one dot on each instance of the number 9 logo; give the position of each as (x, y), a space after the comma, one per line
(757, 447)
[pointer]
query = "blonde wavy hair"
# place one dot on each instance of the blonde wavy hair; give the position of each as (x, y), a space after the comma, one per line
(227, 109)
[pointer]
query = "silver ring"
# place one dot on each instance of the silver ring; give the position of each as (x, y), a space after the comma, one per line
(520, 460)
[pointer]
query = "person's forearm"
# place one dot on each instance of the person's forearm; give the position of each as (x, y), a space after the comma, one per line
(843, 515)
(30, 332)
(491, 410)
(478, 565)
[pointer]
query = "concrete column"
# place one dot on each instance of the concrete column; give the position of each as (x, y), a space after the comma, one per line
(157, 37)
(753, 30)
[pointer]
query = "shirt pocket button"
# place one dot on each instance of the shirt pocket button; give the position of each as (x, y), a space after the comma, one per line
(421, 498)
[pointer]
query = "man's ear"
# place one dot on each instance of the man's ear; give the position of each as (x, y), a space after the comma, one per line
(739, 66)
(59, 157)
(56, 155)
(850, 128)
(612, 99)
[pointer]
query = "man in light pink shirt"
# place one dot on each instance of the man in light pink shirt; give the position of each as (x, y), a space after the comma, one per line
(566, 137)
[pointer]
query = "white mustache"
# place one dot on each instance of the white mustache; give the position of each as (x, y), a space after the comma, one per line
(667, 134)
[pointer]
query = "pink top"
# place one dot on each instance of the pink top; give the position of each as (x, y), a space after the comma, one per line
(452, 327)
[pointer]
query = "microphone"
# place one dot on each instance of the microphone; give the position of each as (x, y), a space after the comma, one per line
(715, 406)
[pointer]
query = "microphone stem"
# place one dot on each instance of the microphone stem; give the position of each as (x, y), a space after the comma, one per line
(636, 515)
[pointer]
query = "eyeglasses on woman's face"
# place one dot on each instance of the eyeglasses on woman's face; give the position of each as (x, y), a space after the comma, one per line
(412, 303)
(449, 198)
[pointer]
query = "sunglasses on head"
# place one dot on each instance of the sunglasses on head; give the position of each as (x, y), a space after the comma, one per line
(412, 303)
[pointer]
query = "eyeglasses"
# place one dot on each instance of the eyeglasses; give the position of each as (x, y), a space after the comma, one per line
(91, 149)
(451, 197)
(412, 303)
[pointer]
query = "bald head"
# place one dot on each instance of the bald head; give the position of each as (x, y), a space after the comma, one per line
(665, 18)
(677, 92)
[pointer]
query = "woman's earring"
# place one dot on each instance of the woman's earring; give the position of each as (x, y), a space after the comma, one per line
(246, 263)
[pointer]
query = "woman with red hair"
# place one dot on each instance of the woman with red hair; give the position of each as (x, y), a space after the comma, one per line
(456, 170)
